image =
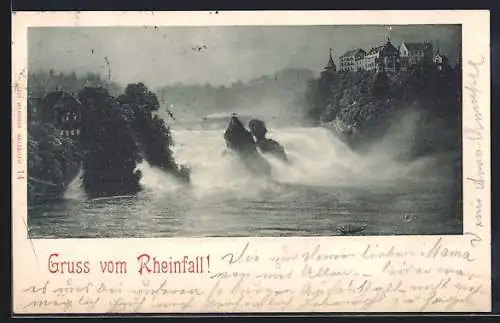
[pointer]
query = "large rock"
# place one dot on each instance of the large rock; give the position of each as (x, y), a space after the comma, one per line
(266, 145)
(240, 141)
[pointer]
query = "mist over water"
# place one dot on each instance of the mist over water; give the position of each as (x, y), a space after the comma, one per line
(325, 186)
(257, 72)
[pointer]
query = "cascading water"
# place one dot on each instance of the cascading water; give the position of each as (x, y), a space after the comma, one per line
(317, 158)
(324, 186)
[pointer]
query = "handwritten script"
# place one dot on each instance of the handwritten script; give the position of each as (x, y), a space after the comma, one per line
(475, 134)
(440, 275)
(372, 278)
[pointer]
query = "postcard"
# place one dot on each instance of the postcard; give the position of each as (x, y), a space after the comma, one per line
(251, 162)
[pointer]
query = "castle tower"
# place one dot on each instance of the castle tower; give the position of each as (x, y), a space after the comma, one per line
(330, 66)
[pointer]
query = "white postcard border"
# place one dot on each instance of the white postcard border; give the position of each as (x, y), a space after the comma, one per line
(30, 256)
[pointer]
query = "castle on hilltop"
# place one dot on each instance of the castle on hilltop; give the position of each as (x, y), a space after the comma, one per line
(388, 58)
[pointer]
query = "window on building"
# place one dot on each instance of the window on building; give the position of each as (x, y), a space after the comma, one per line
(77, 131)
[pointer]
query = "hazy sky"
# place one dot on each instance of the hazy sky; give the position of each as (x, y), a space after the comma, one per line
(165, 55)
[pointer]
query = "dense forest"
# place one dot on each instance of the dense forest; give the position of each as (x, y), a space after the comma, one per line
(42, 82)
(361, 106)
(116, 133)
(52, 161)
(151, 132)
(120, 127)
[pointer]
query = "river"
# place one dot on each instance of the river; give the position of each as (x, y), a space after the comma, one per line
(326, 190)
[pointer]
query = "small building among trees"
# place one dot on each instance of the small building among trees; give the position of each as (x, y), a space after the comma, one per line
(441, 61)
(33, 104)
(62, 110)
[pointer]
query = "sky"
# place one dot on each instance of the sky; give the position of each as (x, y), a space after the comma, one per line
(216, 55)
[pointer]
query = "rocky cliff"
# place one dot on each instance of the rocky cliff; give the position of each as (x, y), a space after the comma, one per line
(420, 107)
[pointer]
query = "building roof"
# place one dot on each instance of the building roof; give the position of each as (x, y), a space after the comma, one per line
(375, 50)
(330, 64)
(93, 83)
(57, 100)
(354, 52)
(55, 97)
(387, 49)
(32, 99)
(417, 46)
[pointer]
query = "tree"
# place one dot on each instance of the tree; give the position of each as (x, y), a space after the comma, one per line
(153, 135)
(139, 95)
(369, 102)
(381, 86)
(52, 161)
(110, 153)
